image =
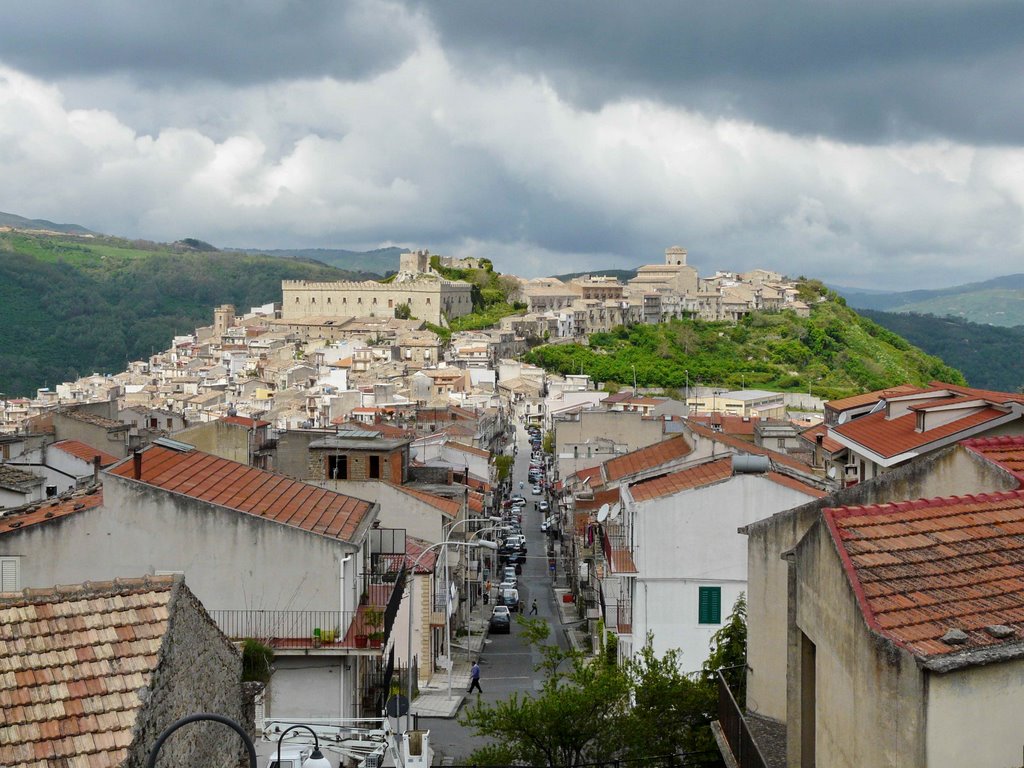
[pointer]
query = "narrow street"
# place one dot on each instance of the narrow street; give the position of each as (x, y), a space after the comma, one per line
(507, 663)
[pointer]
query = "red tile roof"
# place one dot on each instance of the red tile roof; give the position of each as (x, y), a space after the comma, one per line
(693, 477)
(646, 458)
(830, 445)
(449, 507)
(469, 449)
(892, 437)
(985, 394)
(794, 484)
(601, 497)
(594, 473)
(64, 701)
(52, 509)
(856, 401)
(742, 446)
(1007, 451)
(85, 452)
(921, 568)
(245, 421)
(249, 490)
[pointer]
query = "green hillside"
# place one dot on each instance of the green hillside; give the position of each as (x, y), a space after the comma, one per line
(76, 305)
(999, 301)
(834, 353)
(379, 261)
(990, 356)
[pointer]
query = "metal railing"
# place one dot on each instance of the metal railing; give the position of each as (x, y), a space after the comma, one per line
(735, 728)
(288, 628)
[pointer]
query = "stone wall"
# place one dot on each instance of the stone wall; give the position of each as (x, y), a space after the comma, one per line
(391, 464)
(428, 299)
(199, 671)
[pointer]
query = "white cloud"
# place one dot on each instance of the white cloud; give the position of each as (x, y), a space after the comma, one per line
(498, 164)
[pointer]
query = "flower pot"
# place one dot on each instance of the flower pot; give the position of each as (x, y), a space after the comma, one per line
(362, 641)
(376, 641)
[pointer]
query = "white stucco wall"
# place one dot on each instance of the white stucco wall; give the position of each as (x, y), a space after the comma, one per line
(690, 540)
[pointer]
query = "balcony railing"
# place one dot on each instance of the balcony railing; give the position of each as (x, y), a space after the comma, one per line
(290, 629)
(736, 730)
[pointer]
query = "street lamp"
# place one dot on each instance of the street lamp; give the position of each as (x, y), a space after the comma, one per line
(408, 657)
(250, 748)
(316, 760)
(447, 586)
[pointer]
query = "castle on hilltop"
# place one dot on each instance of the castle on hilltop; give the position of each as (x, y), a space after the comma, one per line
(429, 296)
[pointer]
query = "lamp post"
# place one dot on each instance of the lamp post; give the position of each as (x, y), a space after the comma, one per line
(250, 748)
(416, 562)
(316, 760)
(447, 587)
(469, 632)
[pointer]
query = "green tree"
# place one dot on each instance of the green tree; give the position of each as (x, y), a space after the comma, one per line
(504, 466)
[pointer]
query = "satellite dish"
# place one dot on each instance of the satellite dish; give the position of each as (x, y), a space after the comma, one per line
(616, 508)
(602, 513)
(397, 706)
(843, 418)
(832, 472)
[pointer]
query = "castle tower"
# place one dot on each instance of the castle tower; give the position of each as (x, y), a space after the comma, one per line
(675, 256)
(223, 318)
(414, 261)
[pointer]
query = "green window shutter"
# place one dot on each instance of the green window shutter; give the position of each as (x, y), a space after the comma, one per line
(709, 605)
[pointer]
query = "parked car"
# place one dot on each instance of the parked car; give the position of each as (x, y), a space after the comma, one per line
(509, 596)
(501, 620)
(518, 499)
(536, 491)
(543, 506)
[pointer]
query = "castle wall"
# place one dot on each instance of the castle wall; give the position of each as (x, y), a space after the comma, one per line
(428, 299)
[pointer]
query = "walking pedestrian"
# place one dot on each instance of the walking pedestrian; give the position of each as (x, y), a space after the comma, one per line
(474, 677)
(533, 608)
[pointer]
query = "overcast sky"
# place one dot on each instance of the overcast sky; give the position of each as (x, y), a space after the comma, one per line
(868, 143)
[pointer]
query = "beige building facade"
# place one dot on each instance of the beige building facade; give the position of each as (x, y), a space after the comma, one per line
(429, 298)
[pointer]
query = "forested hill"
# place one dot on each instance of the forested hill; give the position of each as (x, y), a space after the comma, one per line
(77, 305)
(833, 353)
(990, 356)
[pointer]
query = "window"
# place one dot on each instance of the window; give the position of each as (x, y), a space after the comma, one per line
(391, 303)
(375, 467)
(170, 423)
(337, 467)
(709, 603)
(9, 575)
(328, 299)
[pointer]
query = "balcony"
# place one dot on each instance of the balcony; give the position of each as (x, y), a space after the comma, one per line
(338, 631)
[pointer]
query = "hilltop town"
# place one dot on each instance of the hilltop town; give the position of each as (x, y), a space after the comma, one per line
(346, 482)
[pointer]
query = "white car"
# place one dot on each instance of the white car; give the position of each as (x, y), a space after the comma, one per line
(537, 491)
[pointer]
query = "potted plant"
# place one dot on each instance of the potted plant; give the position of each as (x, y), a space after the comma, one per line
(373, 618)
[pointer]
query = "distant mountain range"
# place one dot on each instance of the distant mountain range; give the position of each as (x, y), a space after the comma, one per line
(380, 261)
(999, 301)
(20, 222)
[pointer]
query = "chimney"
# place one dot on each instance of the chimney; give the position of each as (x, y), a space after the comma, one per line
(96, 470)
(137, 464)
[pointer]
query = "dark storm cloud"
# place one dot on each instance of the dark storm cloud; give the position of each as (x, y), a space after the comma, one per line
(171, 43)
(861, 71)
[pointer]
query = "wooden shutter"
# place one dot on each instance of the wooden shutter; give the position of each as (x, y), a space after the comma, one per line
(709, 605)
(9, 574)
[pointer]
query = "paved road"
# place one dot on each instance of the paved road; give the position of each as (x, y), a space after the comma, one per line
(507, 663)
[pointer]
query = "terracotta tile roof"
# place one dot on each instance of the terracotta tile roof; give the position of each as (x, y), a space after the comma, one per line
(921, 568)
(449, 507)
(94, 419)
(476, 502)
(830, 445)
(18, 479)
(52, 509)
(594, 473)
(414, 548)
(892, 437)
(985, 394)
(469, 449)
(85, 452)
(742, 446)
(856, 401)
(249, 490)
(674, 482)
(796, 485)
(75, 665)
(646, 458)
(1007, 451)
(245, 421)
